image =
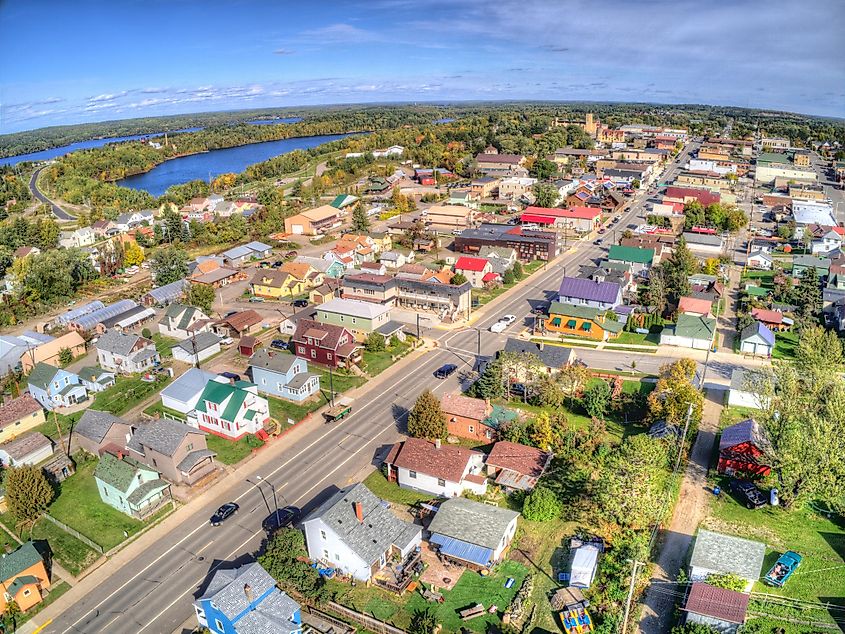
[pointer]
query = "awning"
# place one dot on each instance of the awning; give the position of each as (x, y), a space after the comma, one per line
(571, 323)
(556, 321)
(462, 550)
(586, 326)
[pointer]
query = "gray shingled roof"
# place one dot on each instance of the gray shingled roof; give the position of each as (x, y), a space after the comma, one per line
(117, 343)
(371, 538)
(274, 361)
(472, 522)
(95, 424)
(199, 342)
(728, 554)
(163, 435)
(552, 356)
(191, 460)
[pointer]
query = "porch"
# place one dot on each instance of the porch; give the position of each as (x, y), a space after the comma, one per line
(396, 577)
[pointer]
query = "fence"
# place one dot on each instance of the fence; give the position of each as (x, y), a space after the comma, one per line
(372, 624)
(75, 533)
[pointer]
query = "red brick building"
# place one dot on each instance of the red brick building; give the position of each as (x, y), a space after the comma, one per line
(465, 417)
(325, 344)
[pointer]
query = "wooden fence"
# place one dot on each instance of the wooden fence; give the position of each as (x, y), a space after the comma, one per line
(75, 533)
(372, 624)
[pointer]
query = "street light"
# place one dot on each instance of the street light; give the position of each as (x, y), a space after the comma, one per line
(275, 501)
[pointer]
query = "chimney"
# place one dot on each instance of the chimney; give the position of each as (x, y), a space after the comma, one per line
(248, 593)
(359, 511)
(437, 443)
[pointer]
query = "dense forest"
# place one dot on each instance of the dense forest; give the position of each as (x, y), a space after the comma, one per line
(14, 192)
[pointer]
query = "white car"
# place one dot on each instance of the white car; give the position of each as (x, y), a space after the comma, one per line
(503, 323)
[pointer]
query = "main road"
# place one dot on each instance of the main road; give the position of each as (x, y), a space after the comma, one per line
(58, 212)
(153, 592)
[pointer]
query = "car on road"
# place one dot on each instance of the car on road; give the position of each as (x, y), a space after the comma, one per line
(445, 371)
(223, 513)
(232, 376)
(280, 519)
(300, 303)
(280, 344)
(291, 254)
(503, 323)
(256, 299)
(748, 493)
(227, 341)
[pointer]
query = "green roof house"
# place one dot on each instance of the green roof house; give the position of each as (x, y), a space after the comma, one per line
(639, 259)
(690, 332)
(231, 410)
(23, 577)
(129, 486)
(343, 200)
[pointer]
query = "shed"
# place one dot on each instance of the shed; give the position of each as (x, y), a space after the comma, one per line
(248, 345)
(473, 533)
(745, 448)
(716, 553)
(721, 609)
(585, 561)
(29, 449)
(743, 392)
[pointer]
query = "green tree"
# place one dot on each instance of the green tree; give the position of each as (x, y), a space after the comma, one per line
(572, 379)
(546, 195)
(169, 265)
(28, 492)
(10, 616)
(696, 628)
(200, 295)
(426, 419)
(727, 581)
(285, 559)
(543, 169)
(542, 434)
(675, 393)
(550, 392)
(490, 384)
(457, 279)
(65, 356)
(508, 278)
(597, 399)
(423, 622)
(808, 295)
(541, 505)
(360, 220)
(375, 342)
(518, 270)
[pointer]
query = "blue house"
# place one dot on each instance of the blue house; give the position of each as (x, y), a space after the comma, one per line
(246, 600)
(54, 387)
(284, 375)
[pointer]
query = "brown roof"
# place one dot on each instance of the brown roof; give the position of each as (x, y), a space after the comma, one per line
(718, 603)
(466, 406)
(413, 269)
(372, 265)
(448, 462)
(247, 341)
(298, 269)
(694, 305)
(16, 409)
(272, 277)
(315, 333)
(20, 448)
(320, 213)
(512, 159)
(243, 320)
(47, 351)
(334, 333)
(520, 458)
(368, 277)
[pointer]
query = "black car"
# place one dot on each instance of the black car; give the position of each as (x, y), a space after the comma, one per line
(748, 493)
(444, 372)
(284, 517)
(279, 344)
(234, 376)
(224, 513)
(300, 303)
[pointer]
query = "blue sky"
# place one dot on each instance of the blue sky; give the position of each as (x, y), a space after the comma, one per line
(85, 60)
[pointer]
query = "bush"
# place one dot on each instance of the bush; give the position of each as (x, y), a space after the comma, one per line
(726, 581)
(541, 505)
(375, 342)
(146, 334)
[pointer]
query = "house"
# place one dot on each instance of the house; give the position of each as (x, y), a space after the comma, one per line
(640, 260)
(178, 451)
(313, 221)
(50, 351)
(472, 533)
(719, 609)
(578, 219)
(528, 244)
(130, 487)
(581, 321)
(183, 393)
(22, 252)
(370, 287)
(97, 429)
(246, 600)
(395, 259)
(690, 332)
(474, 269)
(695, 306)
(360, 317)
(745, 450)
(95, 379)
(431, 467)
(501, 258)
(355, 532)
(704, 243)
(230, 410)
(760, 260)
(276, 284)
(19, 415)
(757, 339)
(829, 241)
(238, 324)
(581, 292)
(555, 358)
(82, 237)
(283, 375)
(54, 387)
(124, 353)
(211, 272)
(715, 553)
(133, 219)
(324, 292)
(29, 449)
(181, 321)
(800, 263)
(772, 319)
(375, 268)
(517, 187)
(327, 268)
(197, 348)
(14, 348)
(326, 344)
(23, 577)
(241, 255)
(165, 295)
(743, 390)
(515, 466)
(468, 417)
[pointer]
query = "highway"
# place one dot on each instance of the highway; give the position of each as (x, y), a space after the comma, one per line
(153, 593)
(58, 212)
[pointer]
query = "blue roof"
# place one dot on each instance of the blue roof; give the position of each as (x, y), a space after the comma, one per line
(463, 550)
(605, 292)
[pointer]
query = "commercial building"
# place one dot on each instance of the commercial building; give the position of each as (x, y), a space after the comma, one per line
(529, 245)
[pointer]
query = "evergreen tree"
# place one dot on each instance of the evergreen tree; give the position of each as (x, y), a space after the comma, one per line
(360, 221)
(489, 384)
(426, 419)
(28, 492)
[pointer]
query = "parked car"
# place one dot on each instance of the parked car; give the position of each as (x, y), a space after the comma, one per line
(291, 254)
(503, 323)
(748, 493)
(234, 376)
(256, 299)
(280, 344)
(280, 519)
(278, 264)
(223, 513)
(300, 303)
(227, 341)
(444, 372)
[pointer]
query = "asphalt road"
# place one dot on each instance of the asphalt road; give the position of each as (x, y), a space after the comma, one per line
(58, 212)
(154, 593)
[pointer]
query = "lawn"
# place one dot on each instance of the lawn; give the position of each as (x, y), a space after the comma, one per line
(127, 392)
(71, 553)
(342, 379)
(158, 409)
(65, 421)
(283, 410)
(378, 362)
(232, 451)
(733, 414)
(765, 277)
(164, 345)
(651, 339)
(390, 491)
(786, 344)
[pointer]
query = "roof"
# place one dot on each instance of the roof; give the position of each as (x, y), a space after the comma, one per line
(702, 239)
(119, 343)
(553, 356)
(717, 603)
(163, 435)
(371, 538)
(523, 459)
(727, 554)
(581, 213)
(15, 562)
(694, 327)
(52, 348)
(631, 254)
(447, 462)
(16, 409)
(95, 424)
(465, 263)
(199, 342)
(353, 308)
(42, 374)
(273, 361)
(758, 329)
(460, 405)
(26, 445)
(767, 316)
(695, 305)
(510, 159)
(119, 473)
(578, 288)
(323, 212)
(748, 430)
(332, 333)
(188, 385)
(242, 320)
(473, 522)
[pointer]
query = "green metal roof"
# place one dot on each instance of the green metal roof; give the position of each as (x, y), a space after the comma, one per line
(218, 393)
(568, 310)
(772, 157)
(695, 327)
(18, 560)
(631, 254)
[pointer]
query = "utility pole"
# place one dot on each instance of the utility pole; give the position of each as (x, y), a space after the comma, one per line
(683, 438)
(59, 432)
(630, 596)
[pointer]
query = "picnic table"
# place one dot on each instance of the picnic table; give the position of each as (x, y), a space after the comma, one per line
(471, 613)
(432, 596)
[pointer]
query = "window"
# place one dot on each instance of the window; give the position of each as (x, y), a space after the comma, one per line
(329, 356)
(313, 354)
(325, 554)
(412, 475)
(471, 429)
(323, 534)
(301, 349)
(190, 447)
(27, 592)
(218, 624)
(488, 434)
(441, 482)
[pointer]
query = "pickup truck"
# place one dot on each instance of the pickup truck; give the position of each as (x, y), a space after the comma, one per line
(780, 573)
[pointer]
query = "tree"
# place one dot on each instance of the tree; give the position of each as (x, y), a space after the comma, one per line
(550, 392)
(169, 265)
(423, 622)
(698, 628)
(572, 379)
(28, 492)
(541, 505)
(542, 434)
(457, 279)
(808, 295)
(133, 255)
(490, 384)
(375, 342)
(508, 278)
(546, 195)
(65, 356)
(285, 560)
(426, 419)
(200, 295)
(727, 581)
(675, 392)
(542, 169)
(597, 399)
(360, 220)
(146, 333)
(518, 270)
(10, 616)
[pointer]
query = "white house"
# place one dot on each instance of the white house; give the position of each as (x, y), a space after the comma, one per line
(760, 260)
(125, 353)
(716, 553)
(184, 392)
(197, 348)
(355, 532)
(133, 219)
(181, 321)
(830, 241)
(743, 393)
(757, 339)
(82, 237)
(393, 150)
(472, 533)
(231, 410)
(396, 259)
(446, 471)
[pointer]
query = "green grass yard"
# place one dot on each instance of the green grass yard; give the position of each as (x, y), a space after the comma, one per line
(164, 344)
(390, 491)
(73, 555)
(377, 362)
(127, 392)
(651, 339)
(232, 451)
(786, 345)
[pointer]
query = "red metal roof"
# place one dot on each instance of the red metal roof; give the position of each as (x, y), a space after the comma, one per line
(465, 263)
(584, 213)
(489, 277)
(543, 220)
(718, 603)
(767, 316)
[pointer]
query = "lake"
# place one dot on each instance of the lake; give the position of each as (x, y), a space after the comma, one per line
(211, 164)
(46, 155)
